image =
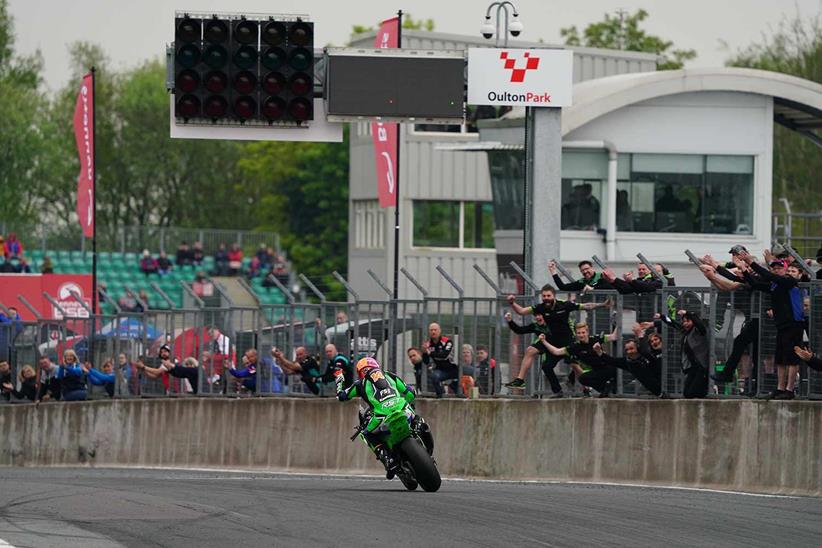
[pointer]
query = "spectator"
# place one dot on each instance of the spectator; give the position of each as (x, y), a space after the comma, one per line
(141, 302)
(47, 267)
(164, 265)
(277, 375)
(128, 373)
(12, 247)
(11, 326)
(695, 352)
(303, 365)
(557, 315)
(28, 385)
(587, 353)
(788, 313)
(221, 261)
(253, 268)
(805, 354)
(220, 348)
(235, 260)
(50, 388)
(102, 291)
(184, 257)
(148, 265)
(468, 372)
(197, 255)
(248, 374)
(105, 377)
(438, 350)
(625, 217)
(645, 367)
(270, 276)
(537, 350)
(7, 266)
(645, 281)
(591, 279)
(129, 303)
(281, 270)
(417, 360)
(188, 371)
(202, 286)
(263, 257)
(488, 377)
(5, 380)
(72, 378)
(337, 361)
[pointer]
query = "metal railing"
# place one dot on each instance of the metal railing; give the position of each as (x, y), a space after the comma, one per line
(218, 335)
(802, 231)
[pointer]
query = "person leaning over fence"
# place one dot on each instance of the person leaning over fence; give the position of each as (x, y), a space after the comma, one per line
(591, 279)
(597, 373)
(644, 366)
(5, 380)
(28, 386)
(336, 360)
(438, 349)
(807, 356)
(418, 361)
(557, 316)
(49, 383)
(247, 375)
(537, 350)
(303, 365)
(188, 372)
(105, 377)
(695, 352)
(787, 301)
(72, 378)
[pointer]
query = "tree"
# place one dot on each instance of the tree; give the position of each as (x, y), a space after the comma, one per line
(408, 23)
(795, 48)
(306, 202)
(618, 32)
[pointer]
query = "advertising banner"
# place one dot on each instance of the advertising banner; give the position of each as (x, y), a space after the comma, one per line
(58, 286)
(84, 135)
(385, 134)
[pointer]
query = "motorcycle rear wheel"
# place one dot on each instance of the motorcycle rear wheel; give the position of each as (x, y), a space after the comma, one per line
(425, 471)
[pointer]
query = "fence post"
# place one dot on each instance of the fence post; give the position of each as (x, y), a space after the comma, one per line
(460, 320)
(525, 277)
(651, 267)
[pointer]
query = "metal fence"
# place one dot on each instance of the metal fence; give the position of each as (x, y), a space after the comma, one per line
(217, 333)
(133, 239)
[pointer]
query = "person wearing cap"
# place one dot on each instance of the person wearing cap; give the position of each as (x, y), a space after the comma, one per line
(787, 301)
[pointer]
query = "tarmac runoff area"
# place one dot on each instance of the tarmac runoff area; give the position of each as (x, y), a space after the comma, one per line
(108, 507)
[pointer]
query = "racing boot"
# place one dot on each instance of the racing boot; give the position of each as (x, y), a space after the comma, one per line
(388, 460)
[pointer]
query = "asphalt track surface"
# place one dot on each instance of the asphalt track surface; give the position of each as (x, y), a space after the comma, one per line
(103, 508)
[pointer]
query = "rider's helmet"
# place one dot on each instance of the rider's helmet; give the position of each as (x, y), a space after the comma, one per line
(364, 364)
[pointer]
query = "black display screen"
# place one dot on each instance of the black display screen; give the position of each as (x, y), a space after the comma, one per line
(405, 87)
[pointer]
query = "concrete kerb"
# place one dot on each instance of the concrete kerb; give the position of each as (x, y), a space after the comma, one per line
(735, 445)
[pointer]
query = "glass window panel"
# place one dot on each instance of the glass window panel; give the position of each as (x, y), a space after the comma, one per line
(623, 166)
(730, 164)
(667, 163)
(581, 204)
(436, 223)
(507, 188)
(479, 225)
(584, 164)
(728, 203)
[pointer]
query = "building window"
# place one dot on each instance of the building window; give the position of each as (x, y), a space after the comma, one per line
(369, 225)
(461, 225)
(679, 193)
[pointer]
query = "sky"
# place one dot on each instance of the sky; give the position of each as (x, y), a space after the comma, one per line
(132, 31)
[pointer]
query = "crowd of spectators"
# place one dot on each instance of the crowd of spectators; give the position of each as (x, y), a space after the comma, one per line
(12, 261)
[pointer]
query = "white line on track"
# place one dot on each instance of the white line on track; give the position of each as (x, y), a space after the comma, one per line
(5, 544)
(342, 477)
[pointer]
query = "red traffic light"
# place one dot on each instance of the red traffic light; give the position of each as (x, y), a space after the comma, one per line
(245, 82)
(274, 83)
(187, 81)
(215, 106)
(274, 108)
(188, 106)
(300, 84)
(245, 107)
(300, 109)
(216, 81)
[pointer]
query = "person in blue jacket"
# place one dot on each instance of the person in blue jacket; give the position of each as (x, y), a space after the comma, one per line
(248, 374)
(72, 377)
(104, 377)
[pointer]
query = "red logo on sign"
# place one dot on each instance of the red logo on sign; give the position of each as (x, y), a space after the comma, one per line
(518, 74)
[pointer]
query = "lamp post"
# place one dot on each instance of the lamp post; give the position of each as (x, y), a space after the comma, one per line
(513, 27)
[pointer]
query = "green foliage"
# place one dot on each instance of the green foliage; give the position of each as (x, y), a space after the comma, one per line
(795, 48)
(625, 34)
(408, 23)
(306, 202)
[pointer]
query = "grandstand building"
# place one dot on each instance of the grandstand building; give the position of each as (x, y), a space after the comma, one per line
(693, 152)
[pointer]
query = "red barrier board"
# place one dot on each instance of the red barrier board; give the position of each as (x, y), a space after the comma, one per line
(58, 286)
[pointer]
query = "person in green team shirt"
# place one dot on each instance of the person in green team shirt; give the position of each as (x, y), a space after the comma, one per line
(536, 350)
(383, 393)
(587, 352)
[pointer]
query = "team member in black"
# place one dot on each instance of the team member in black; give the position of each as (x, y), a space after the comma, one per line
(438, 350)
(336, 361)
(590, 278)
(536, 350)
(303, 365)
(695, 352)
(557, 315)
(787, 300)
(598, 373)
(645, 367)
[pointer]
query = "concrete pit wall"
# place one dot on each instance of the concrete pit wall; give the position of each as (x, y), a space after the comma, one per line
(770, 447)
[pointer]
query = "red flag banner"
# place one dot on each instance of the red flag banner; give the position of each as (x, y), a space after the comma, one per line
(84, 135)
(384, 134)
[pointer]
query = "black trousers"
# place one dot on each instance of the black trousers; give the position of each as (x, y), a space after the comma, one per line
(748, 335)
(549, 362)
(598, 377)
(696, 382)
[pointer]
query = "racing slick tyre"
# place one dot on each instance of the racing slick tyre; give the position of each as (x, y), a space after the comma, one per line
(423, 465)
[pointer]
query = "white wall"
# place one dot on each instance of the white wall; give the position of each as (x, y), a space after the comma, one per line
(689, 123)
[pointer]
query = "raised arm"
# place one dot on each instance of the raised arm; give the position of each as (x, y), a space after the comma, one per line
(551, 348)
(590, 306)
(521, 310)
(515, 327)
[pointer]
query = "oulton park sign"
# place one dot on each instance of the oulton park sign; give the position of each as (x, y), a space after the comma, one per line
(517, 77)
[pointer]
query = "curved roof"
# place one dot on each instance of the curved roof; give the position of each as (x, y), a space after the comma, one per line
(797, 102)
